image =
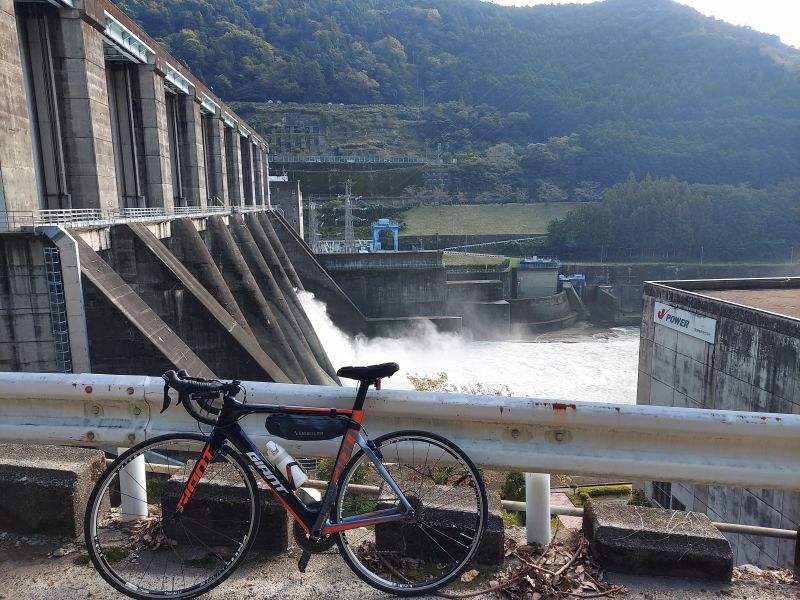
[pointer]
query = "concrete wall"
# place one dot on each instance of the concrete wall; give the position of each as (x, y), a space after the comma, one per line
(752, 365)
(488, 290)
(17, 178)
(217, 163)
(503, 276)
(540, 310)
(382, 260)
(193, 167)
(535, 283)
(26, 329)
(233, 167)
(88, 144)
(287, 196)
(174, 298)
(408, 284)
(155, 141)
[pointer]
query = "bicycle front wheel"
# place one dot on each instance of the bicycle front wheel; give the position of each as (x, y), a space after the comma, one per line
(428, 550)
(144, 546)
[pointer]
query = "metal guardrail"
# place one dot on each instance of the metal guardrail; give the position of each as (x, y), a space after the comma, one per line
(349, 159)
(76, 218)
(540, 436)
(340, 247)
(743, 449)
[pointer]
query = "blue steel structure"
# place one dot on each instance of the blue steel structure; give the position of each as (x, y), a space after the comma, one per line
(382, 225)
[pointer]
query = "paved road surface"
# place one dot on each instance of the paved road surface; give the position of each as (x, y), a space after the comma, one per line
(27, 573)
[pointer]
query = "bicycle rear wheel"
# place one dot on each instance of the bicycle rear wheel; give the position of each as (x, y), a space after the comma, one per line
(425, 552)
(143, 546)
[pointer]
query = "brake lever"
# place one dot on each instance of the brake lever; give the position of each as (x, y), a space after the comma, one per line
(167, 399)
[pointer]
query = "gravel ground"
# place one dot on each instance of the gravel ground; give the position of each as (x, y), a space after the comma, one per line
(30, 571)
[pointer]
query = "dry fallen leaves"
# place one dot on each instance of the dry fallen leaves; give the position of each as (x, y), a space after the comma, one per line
(150, 533)
(753, 573)
(553, 573)
(469, 576)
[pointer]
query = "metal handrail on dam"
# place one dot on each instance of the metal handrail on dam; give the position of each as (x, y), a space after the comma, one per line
(95, 217)
(760, 450)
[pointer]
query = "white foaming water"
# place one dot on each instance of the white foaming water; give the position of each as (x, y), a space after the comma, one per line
(591, 366)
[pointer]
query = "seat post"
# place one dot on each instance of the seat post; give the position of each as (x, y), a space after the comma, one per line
(361, 395)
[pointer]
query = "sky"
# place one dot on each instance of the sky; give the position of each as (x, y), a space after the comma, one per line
(778, 17)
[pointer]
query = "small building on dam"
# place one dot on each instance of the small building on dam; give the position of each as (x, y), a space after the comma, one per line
(732, 345)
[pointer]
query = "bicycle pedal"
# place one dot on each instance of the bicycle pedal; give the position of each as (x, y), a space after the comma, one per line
(303, 562)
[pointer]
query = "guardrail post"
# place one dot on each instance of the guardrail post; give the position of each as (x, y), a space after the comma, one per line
(133, 489)
(537, 508)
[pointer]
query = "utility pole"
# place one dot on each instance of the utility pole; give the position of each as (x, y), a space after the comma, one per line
(349, 234)
(313, 225)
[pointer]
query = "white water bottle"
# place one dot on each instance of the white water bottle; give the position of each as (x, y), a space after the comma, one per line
(284, 462)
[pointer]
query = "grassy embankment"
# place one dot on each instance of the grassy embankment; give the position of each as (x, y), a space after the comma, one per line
(483, 219)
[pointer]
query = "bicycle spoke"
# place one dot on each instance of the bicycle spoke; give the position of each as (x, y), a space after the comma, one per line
(443, 534)
(434, 544)
(186, 552)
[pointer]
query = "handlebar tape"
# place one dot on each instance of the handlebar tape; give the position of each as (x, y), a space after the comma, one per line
(190, 386)
(185, 386)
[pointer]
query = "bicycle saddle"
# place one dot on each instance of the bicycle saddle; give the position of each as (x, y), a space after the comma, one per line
(371, 372)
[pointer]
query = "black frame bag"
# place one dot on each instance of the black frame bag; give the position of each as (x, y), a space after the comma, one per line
(307, 427)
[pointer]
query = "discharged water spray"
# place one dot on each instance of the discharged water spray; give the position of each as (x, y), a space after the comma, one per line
(592, 365)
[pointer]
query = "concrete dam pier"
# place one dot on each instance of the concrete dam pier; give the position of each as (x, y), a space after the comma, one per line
(208, 295)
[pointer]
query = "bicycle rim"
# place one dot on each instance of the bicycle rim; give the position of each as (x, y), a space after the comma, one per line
(147, 548)
(427, 551)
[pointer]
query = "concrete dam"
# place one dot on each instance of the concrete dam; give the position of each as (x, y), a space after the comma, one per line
(212, 295)
(136, 228)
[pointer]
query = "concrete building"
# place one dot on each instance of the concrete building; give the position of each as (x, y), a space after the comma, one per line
(536, 277)
(287, 197)
(729, 345)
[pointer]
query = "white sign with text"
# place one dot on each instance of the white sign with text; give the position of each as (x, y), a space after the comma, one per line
(685, 322)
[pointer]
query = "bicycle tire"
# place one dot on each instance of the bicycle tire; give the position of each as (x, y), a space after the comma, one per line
(367, 552)
(165, 536)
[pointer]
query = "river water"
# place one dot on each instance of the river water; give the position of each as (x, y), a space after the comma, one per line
(589, 364)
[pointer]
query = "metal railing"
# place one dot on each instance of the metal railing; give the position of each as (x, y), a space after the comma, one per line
(77, 218)
(340, 247)
(349, 159)
(743, 449)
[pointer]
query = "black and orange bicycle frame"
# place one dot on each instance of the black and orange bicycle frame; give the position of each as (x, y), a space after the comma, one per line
(314, 519)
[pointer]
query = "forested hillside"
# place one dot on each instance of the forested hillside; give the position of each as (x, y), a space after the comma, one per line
(667, 218)
(579, 93)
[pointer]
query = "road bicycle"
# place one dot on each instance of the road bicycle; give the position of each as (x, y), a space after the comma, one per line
(174, 516)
